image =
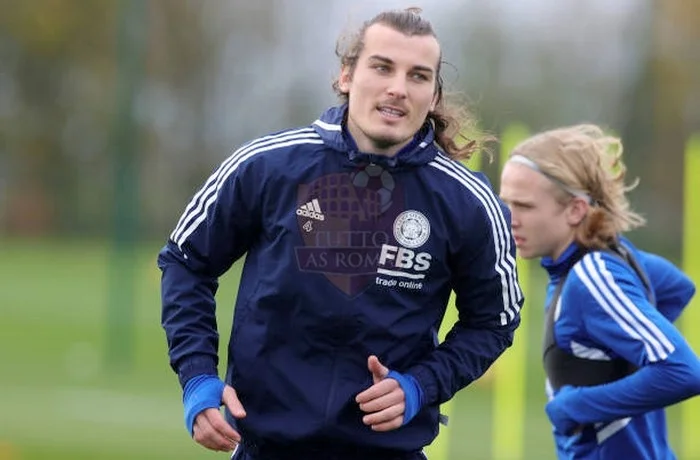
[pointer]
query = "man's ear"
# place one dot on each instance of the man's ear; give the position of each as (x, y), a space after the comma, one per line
(344, 79)
(578, 210)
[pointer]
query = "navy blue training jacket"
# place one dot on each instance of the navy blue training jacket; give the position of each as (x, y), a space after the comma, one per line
(347, 254)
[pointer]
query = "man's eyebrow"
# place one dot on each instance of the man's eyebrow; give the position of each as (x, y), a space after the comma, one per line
(378, 57)
(524, 203)
(386, 60)
(514, 200)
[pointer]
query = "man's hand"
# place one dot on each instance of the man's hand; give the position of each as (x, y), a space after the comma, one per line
(558, 411)
(384, 402)
(211, 429)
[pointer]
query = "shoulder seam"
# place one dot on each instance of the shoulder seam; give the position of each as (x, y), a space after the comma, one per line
(196, 211)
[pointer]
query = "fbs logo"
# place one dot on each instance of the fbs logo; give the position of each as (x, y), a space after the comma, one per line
(312, 210)
(403, 259)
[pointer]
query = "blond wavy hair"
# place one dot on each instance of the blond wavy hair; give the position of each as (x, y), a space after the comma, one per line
(456, 130)
(584, 158)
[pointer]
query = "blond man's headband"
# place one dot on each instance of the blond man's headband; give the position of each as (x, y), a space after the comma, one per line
(523, 160)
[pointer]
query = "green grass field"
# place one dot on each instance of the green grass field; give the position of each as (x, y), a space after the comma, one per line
(60, 399)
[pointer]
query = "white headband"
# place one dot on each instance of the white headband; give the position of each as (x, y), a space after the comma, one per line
(523, 160)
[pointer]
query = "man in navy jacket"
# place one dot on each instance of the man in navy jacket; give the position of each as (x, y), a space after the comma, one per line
(356, 229)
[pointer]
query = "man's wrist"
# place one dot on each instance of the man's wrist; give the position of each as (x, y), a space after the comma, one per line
(201, 392)
(195, 365)
(413, 394)
(427, 382)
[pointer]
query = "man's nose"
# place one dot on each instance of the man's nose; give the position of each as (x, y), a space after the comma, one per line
(514, 220)
(397, 87)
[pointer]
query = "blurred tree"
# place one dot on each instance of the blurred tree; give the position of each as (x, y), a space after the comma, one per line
(202, 62)
(662, 115)
(57, 61)
(221, 73)
(59, 69)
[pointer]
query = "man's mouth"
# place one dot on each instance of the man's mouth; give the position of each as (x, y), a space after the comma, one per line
(391, 112)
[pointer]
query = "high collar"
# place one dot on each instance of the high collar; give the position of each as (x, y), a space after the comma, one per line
(563, 263)
(332, 128)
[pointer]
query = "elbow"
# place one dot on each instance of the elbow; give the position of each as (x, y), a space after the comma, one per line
(166, 256)
(688, 378)
(693, 385)
(689, 292)
(506, 335)
(512, 328)
(678, 377)
(686, 291)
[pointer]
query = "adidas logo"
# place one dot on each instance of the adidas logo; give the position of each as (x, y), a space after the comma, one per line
(311, 210)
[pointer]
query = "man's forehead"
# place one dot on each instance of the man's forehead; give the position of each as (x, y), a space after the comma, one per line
(520, 174)
(519, 179)
(383, 40)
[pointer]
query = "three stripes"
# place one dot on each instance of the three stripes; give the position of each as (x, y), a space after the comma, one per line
(599, 281)
(196, 211)
(505, 262)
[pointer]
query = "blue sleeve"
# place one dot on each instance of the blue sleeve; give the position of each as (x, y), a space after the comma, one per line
(217, 228)
(488, 299)
(616, 314)
(673, 289)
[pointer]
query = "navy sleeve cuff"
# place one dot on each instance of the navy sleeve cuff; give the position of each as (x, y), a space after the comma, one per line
(192, 366)
(427, 382)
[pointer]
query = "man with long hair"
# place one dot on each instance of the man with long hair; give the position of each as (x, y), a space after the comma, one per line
(613, 358)
(356, 228)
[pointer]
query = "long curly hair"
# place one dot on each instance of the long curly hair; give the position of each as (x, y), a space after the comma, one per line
(583, 157)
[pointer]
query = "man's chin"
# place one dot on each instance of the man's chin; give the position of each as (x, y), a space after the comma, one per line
(386, 142)
(526, 254)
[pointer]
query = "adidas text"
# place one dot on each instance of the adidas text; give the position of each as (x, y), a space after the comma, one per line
(312, 209)
(310, 214)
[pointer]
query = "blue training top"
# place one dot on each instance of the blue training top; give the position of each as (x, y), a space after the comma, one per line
(604, 313)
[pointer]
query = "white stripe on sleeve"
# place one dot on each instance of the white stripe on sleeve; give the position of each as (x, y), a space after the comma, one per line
(505, 262)
(196, 211)
(602, 286)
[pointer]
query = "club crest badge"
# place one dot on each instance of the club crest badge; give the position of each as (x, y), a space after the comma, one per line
(411, 229)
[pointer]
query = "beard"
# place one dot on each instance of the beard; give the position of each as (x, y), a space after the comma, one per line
(384, 142)
(378, 139)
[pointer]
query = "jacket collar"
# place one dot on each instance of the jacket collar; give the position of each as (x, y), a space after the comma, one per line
(559, 267)
(332, 128)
